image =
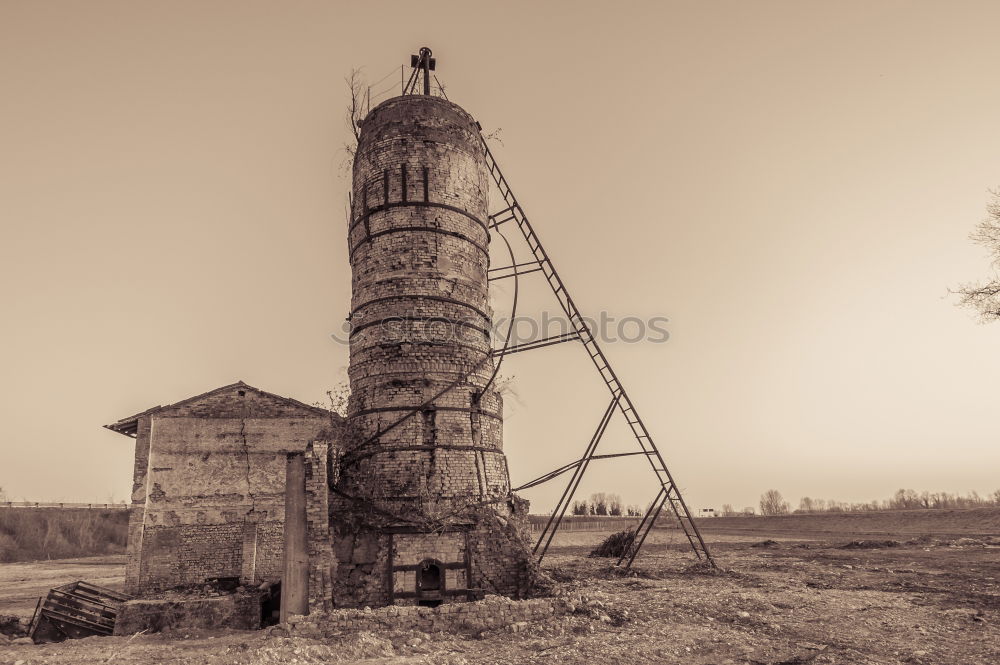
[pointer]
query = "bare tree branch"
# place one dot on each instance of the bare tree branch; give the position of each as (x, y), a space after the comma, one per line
(356, 110)
(984, 297)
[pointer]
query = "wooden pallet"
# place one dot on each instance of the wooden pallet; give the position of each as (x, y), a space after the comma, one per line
(75, 610)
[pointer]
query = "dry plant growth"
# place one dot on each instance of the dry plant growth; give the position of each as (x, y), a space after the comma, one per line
(27, 534)
(615, 545)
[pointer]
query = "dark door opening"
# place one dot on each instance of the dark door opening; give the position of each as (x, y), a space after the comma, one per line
(270, 605)
(430, 583)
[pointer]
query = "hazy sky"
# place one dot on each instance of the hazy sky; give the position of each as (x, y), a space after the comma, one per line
(792, 184)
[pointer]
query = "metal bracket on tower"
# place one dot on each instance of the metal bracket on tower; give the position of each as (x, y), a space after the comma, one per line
(422, 63)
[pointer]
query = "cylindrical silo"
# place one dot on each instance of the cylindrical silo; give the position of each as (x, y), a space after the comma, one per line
(420, 316)
(423, 510)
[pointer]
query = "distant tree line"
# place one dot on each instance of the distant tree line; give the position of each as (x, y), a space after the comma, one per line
(772, 503)
(601, 503)
(903, 499)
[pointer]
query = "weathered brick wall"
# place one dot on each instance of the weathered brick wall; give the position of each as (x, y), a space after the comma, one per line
(210, 477)
(270, 550)
(421, 321)
(322, 566)
(190, 554)
(362, 560)
(498, 549)
(446, 548)
(250, 547)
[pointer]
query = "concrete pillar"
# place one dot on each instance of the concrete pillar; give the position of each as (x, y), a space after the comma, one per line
(295, 580)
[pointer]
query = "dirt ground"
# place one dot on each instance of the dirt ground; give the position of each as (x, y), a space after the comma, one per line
(791, 600)
(22, 583)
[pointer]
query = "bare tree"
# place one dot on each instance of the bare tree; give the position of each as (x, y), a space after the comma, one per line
(614, 505)
(599, 503)
(905, 499)
(772, 503)
(984, 297)
(728, 510)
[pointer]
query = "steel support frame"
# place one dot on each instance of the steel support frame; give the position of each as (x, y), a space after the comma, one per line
(567, 496)
(668, 488)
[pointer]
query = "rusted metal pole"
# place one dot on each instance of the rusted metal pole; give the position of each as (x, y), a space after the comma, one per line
(295, 580)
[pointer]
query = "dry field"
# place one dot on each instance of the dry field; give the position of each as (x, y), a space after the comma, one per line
(932, 598)
(29, 534)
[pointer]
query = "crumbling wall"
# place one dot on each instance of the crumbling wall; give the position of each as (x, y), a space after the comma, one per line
(214, 491)
(498, 550)
(322, 565)
(491, 613)
(238, 611)
(137, 509)
(361, 565)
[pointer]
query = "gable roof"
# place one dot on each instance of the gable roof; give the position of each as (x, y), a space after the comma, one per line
(130, 425)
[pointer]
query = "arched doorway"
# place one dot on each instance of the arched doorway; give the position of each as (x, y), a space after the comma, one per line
(430, 582)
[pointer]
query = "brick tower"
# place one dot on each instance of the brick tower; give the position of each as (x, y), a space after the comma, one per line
(423, 508)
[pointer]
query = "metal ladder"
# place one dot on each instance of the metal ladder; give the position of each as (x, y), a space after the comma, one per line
(668, 493)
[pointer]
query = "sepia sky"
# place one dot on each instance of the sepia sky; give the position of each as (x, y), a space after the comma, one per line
(791, 184)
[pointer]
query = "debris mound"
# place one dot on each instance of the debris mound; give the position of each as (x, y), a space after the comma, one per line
(703, 567)
(767, 544)
(870, 544)
(12, 626)
(616, 544)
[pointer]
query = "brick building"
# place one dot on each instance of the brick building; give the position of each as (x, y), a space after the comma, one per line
(208, 488)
